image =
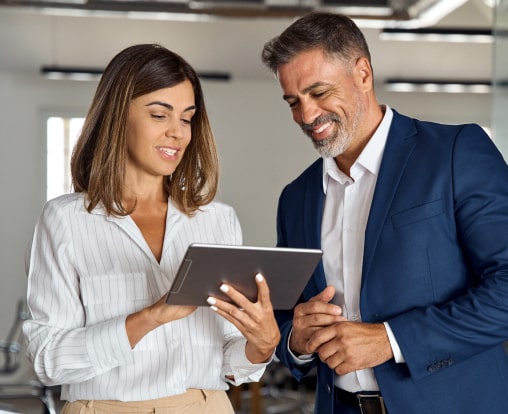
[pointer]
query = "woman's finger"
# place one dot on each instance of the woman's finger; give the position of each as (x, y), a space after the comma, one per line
(232, 313)
(238, 298)
(263, 291)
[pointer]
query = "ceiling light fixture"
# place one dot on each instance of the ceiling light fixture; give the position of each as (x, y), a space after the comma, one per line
(71, 73)
(94, 74)
(438, 35)
(367, 13)
(437, 86)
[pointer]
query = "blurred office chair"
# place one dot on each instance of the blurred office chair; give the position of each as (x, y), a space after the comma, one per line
(16, 381)
(276, 393)
(283, 394)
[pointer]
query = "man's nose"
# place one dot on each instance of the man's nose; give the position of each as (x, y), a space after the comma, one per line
(309, 112)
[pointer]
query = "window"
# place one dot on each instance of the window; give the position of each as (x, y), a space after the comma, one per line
(62, 134)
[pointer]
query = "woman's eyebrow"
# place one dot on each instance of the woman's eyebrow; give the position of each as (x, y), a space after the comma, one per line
(169, 106)
(164, 104)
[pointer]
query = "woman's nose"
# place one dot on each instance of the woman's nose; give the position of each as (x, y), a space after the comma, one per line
(175, 130)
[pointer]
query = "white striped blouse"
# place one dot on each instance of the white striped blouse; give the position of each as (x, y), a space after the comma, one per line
(88, 271)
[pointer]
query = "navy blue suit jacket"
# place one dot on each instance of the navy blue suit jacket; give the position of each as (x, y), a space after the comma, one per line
(435, 267)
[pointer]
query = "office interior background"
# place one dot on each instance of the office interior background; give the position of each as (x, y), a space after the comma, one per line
(441, 60)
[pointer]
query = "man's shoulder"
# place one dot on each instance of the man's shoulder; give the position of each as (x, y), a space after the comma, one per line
(422, 125)
(312, 172)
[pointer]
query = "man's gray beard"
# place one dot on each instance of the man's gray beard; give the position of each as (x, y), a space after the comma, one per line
(334, 146)
(341, 141)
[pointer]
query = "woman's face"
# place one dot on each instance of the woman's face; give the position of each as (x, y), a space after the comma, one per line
(159, 130)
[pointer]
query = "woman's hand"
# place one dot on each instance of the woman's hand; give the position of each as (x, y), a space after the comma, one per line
(140, 323)
(255, 320)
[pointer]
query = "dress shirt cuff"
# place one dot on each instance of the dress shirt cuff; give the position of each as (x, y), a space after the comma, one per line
(397, 354)
(301, 359)
(242, 369)
(108, 346)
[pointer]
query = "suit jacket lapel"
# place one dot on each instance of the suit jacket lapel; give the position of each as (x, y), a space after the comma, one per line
(313, 209)
(399, 146)
(313, 214)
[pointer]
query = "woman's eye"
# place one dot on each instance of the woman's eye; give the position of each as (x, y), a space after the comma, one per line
(158, 116)
(187, 121)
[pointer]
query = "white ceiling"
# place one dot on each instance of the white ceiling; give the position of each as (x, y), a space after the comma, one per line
(30, 38)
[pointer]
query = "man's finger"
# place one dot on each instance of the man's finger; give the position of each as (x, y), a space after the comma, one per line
(326, 295)
(321, 337)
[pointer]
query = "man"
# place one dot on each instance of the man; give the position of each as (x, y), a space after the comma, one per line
(408, 311)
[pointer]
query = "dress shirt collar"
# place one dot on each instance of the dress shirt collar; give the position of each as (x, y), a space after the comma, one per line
(370, 158)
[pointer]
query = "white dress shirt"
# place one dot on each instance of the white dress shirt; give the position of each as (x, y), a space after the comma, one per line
(88, 271)
(346, 211)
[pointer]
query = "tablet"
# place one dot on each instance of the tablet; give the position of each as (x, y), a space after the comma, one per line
(206, 266)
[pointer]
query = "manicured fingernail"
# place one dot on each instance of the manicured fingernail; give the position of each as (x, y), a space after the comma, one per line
(224, 288)
(259, 277)
(211, 301)
(214, 308)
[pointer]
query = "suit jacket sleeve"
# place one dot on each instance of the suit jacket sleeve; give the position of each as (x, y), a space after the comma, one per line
(470, 310)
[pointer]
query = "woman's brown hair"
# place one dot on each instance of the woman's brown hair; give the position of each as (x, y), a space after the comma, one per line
(98, 159)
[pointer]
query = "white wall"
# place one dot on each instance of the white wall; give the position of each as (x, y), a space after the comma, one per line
(260, 150)
(23, 100)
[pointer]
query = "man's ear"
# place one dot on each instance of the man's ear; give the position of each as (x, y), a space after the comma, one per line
(363, 74)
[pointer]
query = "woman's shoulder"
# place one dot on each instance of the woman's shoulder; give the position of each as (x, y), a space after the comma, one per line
(217, 223)
(217, 207)
(71, 201)
(216, 213)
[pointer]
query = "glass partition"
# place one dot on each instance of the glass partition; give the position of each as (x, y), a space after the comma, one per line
(500, 77)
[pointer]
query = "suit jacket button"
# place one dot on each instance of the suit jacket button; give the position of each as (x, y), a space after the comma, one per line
(431, 368)
(328, 389)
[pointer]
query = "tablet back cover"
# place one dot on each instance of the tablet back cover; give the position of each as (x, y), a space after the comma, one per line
(206, 266)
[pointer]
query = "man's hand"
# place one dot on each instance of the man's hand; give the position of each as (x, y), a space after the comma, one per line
(312, 316)
(351, 346)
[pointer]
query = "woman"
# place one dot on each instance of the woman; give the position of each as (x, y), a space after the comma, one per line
(145, 172)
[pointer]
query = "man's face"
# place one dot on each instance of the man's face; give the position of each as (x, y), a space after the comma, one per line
(324, 99)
